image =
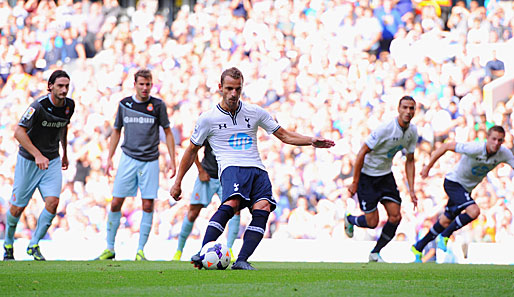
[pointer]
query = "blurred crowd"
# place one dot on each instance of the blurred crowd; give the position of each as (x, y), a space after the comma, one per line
(330, 68)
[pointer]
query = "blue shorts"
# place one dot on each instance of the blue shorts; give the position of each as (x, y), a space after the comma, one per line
(458, 199)
(28, 177)
(374, 189)
(203, 191)
(250, 183)
(132, 174)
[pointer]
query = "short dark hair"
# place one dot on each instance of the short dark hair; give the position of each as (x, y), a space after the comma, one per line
(55, 75)
(143, 73)
(405, 98)
(232, 72)
(496, 128)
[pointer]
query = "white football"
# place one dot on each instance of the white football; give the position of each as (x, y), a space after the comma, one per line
(215, 256)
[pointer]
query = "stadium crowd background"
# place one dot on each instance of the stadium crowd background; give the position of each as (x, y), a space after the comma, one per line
(320, 67)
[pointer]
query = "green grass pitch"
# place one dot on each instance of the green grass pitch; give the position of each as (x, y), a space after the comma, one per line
(99, 278)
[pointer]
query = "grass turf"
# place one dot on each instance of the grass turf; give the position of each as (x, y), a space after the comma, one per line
(106, 278)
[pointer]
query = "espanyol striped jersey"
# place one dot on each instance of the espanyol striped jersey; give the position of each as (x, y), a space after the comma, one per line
(141, 121)
(474, 164)
(385, 142)
(44, 122)
(234, 138)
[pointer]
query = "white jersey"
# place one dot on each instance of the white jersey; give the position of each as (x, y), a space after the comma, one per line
(234, 138)
(385, 142)
(475, 164)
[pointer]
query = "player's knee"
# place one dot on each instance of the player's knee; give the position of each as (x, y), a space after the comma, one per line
(147, 205)
(262, 205)
(395, 218)
(116, 204)
(473, 211)
(16, 211)
(51, 204)
(372, 222)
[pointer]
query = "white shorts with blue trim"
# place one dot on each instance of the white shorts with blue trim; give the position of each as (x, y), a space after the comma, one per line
(28, 177)
(132, 174)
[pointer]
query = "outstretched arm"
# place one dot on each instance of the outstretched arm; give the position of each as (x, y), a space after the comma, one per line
(357, 167)
(450, 146)
(294, 138)
(187, 160)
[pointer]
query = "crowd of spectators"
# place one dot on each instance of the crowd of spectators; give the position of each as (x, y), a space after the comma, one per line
(330, 68)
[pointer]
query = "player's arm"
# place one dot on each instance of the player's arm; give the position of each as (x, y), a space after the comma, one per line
(202, 174)
(170, 143)
(357, 167)
(20, 133)
(449, 146)
(409, 172)
(113, 144)
(294, 138)
(187, 160)
(64, 145)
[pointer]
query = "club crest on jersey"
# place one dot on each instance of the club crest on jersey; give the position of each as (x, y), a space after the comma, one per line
(240, 141)
(67, 111)
(149, 107)
(28, 114)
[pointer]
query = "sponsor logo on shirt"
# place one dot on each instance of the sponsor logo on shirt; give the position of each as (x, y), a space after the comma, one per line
(53, 124)
(240, 141)
(480, 170)
(394, 150)
(138, 120)
(28, 114)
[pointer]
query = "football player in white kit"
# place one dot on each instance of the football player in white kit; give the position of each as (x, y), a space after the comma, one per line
(477, 160)
(231, 130)
(373, 180)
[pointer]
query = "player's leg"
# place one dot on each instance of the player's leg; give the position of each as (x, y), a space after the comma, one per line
(253, 234)
(233, 223)
(125, 184)
(26, 179)
(389, 230)
(43, 223)
(237, 184)
(233, 231)
(436, 229)
(50, 187)
(145, 227)
(187, 227)
(368, 195)
(148, 182)
(200, 197)
(13, 216)
(390, 198)
(262, 205)
(471, 212)
(460, 200)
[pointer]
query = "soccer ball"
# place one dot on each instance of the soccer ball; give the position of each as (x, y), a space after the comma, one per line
(215, 256)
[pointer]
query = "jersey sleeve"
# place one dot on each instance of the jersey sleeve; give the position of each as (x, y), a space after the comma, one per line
(469, 148)
(376, 137)
(201, 131)
(118, 121)
(164, 121)
(266, 121)
(509, 157)
(29, 117)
